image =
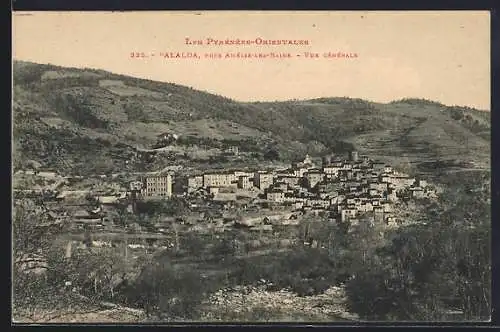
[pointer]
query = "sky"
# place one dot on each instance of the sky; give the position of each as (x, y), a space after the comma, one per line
(441, 56)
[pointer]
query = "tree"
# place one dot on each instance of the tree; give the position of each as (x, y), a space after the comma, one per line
(272, 154)
(33, 240)
(163, 290)
(28, 234)
(423, 273)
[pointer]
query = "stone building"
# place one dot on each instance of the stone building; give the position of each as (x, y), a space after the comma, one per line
(219, 180)
(194, 182)
(157, 186)
(244, 182)
(313, 178)
(276, 196)
(263, 180)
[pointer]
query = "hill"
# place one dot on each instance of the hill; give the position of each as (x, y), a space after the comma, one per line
(85, 120)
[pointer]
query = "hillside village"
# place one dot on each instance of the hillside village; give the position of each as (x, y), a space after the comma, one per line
(164, 199)
(344, 189)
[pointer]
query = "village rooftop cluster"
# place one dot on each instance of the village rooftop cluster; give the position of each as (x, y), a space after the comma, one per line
(344, 189)
(348, 189)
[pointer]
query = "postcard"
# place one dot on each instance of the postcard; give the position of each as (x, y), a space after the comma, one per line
(251, 166)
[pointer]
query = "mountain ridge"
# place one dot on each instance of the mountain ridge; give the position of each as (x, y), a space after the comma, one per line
(315, 99)
(85, 115)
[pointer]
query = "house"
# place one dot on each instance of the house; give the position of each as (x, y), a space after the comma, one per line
(350, 200)
(417, 192)
(232, 150)
(304, 163)
(386, 206)
(313, 178)
(194, 182)
(291, 180)
(276, 196)
(385, 177)
(319, 203)
(298, 204)
(135, 186)
(281, 186)
(300, 171)
(331, 171)
(316, 211)
(380, 187)
(366, 207)
(353, 188)
(110, 199)
(401, 181)
(347, 214)
(237, 174)
(391, 196)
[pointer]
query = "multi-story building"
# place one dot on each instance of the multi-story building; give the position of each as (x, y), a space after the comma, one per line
(331, 170)
(219, 180)
(263, 180)
(276, 196)
(157, 186)
(313, 178)
(319, 203)
(380, 187)
(353, 156)
(244, 182)
(387, 177)
(366, 207)
(194, 182)
(288, 179)
(346, 214)
(243, 173)
(346, 166)
(136, 186)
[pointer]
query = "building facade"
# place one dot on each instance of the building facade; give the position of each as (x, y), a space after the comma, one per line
(157, 186)
(194, 182)
(313, 178)
(263, 180)
(219, 180)
(244, 182)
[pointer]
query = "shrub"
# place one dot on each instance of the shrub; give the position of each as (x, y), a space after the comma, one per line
(162, 289)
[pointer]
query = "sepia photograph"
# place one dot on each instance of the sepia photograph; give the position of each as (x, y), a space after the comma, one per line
(251, 167)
